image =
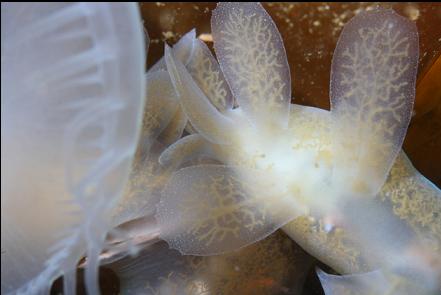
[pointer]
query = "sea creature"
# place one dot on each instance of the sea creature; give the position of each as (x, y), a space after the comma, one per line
(282, 163)
(319, 175)
(72, 96)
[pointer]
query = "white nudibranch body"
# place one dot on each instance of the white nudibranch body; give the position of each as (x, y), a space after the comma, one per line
(301, 174)
(324, 177)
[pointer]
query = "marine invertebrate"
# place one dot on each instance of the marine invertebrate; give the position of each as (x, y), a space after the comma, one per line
(72, 91)
(163, 124)
(282, 161)
(75, 81)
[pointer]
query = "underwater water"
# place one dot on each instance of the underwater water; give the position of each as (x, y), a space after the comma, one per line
(249, 162)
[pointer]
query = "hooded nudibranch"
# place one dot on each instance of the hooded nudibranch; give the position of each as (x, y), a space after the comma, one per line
(72, 95)
(284, 165)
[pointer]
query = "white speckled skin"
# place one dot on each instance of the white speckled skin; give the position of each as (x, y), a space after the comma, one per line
(321, 175)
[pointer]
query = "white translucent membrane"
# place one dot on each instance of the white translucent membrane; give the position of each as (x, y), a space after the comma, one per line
(372, 90)
(174, 129)
(143, 189)
(185, 150)
(194, 54)
(72, 96)
(205, 118)
(205, 70)
(207, 74)
(147, 177)
(271, 266)
(212, 209)
(252, 57)
(182, 49)
(161, 107)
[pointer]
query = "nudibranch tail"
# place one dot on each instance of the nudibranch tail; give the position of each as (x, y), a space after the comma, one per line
(253, 59)
(372, 92)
